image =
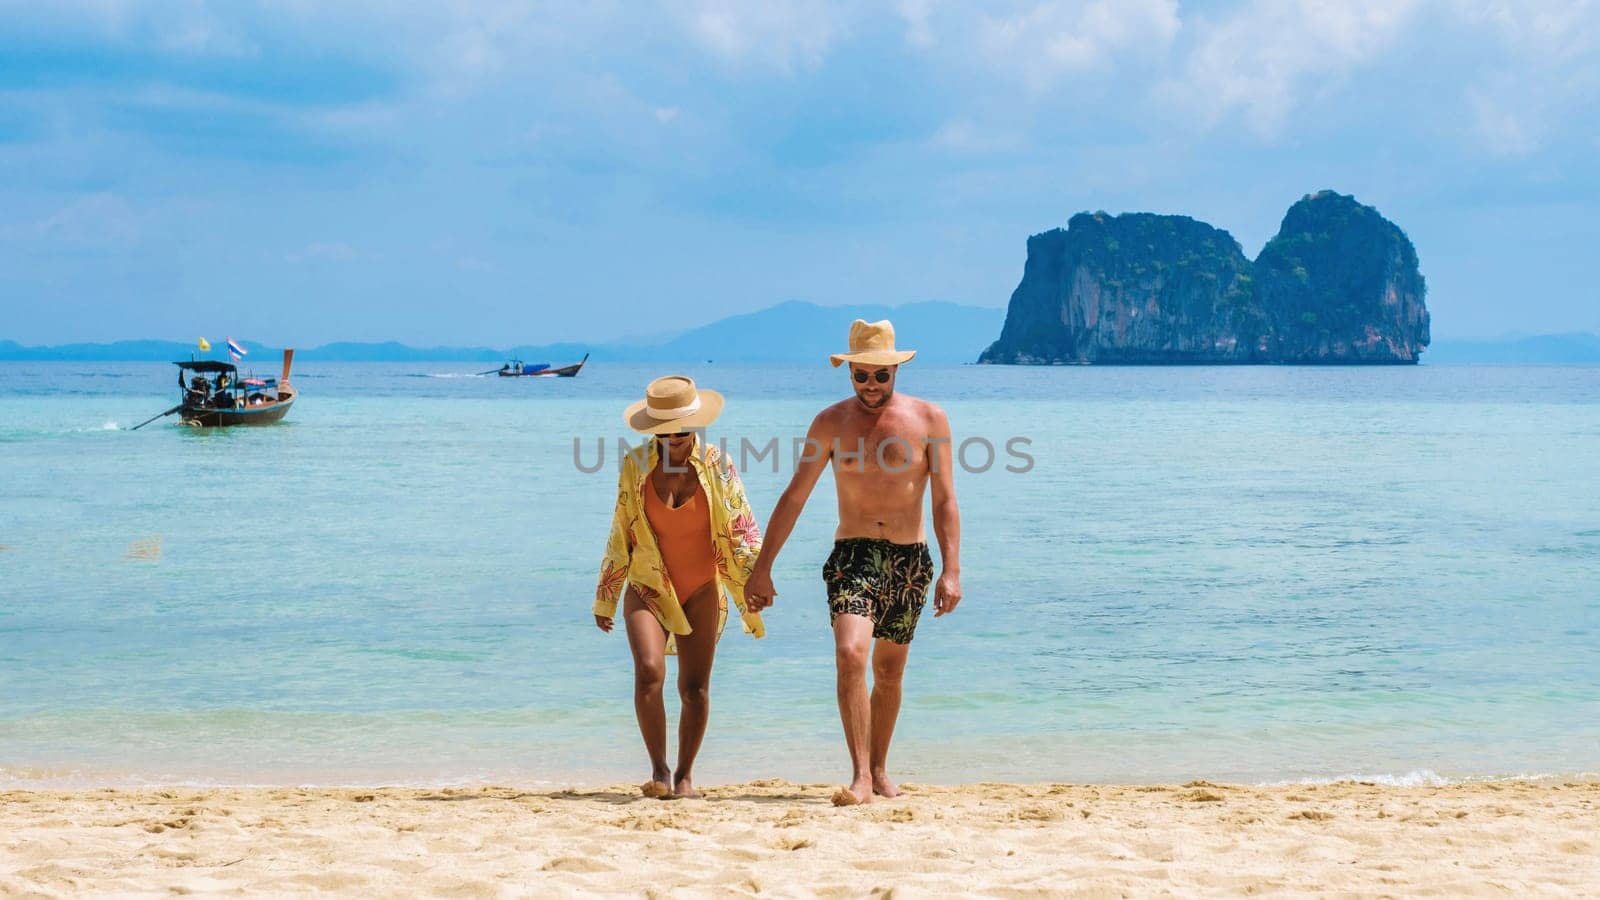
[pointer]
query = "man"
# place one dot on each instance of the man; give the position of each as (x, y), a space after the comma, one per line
(885, 449)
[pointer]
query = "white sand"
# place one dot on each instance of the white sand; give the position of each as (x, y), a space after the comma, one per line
(781, 839)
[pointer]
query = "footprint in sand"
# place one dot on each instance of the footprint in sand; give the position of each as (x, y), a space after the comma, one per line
(888, 865)
(1036, 813)
(575, 864)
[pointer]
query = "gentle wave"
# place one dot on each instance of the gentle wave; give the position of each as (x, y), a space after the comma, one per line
(1430, 778)
(79, 778)
(71, 778)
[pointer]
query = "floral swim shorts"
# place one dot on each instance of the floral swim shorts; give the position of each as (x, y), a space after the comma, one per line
(883, 581)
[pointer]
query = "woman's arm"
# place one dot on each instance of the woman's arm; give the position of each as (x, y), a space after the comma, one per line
(618, 555)
(744, 533)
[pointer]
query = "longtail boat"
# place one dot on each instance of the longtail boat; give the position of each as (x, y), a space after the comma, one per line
(518, 369)
(214, 396)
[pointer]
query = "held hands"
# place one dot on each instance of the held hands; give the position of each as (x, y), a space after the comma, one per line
(758, 591)
(603, 623)
(946, 594)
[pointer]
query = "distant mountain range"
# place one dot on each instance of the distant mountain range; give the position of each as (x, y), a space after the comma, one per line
(1544, 349)
(789, 332)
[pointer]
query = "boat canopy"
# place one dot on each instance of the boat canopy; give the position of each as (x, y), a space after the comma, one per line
(207, 365)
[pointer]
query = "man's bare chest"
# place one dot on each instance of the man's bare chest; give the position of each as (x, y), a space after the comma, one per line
(890, 447)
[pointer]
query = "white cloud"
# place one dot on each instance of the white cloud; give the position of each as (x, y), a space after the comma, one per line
(1547, 74)
(1065, 36)
(186, 27)
(783, 34)
(357, 119)
(1262, 60)
(196, 32)
(1504, 128)
(961, 136)
(1552, 30)
(90, 219)
(916, 14)
(665, 114)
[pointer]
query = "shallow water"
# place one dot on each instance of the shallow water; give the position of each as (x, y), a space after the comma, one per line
(1257, 574)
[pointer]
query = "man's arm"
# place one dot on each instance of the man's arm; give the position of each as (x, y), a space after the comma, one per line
(946, 517)
(758, 591)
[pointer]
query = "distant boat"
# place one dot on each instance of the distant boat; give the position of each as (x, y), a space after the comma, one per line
(214, 396)
(518, 369)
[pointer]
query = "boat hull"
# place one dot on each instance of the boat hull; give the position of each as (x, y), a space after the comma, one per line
(265, 414)
(563, 372)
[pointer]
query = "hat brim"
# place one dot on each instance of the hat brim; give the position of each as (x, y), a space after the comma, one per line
(640, 420)
(873, 357)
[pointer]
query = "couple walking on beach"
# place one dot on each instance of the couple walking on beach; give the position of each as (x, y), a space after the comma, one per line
(683, 539)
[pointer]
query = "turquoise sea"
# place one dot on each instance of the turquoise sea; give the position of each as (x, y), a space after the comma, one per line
(1243, 574)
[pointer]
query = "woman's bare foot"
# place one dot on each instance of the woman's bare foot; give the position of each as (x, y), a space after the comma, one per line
(859, 791)
(659, 785)
(684, 787)
(883, 787)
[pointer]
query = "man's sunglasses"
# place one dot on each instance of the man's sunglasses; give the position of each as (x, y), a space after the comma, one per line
(882, 375)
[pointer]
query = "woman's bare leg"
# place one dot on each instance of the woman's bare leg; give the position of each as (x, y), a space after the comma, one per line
(696, 653)
(648, 641)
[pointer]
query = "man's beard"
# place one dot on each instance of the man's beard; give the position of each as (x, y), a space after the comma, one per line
(882, 401)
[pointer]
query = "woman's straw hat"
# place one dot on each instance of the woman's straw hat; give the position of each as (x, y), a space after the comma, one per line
(872, 344)
(672, 403)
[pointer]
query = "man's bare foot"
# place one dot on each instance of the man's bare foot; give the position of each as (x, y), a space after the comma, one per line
(883, 787)
(684, 787)
(859, 792)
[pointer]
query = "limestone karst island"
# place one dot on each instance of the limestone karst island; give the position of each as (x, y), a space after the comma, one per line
(1338, 284)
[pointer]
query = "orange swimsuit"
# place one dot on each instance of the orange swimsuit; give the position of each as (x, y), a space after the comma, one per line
(684, 535)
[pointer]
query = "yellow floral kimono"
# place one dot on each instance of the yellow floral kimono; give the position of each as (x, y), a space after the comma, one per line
(633, 557)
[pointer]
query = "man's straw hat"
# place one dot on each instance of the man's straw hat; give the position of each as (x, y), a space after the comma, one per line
(672, 403)
(872, 344)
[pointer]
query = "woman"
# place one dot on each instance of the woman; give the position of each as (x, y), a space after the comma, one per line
(682, 539)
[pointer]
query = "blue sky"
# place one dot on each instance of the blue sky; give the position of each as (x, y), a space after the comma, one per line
(507, 173)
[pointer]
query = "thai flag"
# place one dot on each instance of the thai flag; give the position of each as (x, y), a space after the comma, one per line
(235, 352)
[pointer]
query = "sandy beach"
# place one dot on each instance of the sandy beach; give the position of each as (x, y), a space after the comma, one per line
(782, 839)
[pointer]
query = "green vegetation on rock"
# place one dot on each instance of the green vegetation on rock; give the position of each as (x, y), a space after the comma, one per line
(1338, 284)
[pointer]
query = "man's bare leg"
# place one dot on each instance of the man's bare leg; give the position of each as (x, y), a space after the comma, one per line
(888, 667)
(648, 641)
(852, 643)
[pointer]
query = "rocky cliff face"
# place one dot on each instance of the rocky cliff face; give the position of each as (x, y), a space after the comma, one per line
(1338, 284)
(1341, 285)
